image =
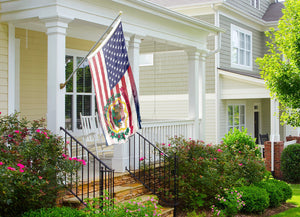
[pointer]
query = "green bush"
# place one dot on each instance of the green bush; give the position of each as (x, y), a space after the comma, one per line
(285, 188)
(275, 193)
(32, 166)
(55, 212)
(290, 163)
(255, 198)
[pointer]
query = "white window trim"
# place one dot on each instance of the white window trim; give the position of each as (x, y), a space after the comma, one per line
(255, 5)
(237, 65)
(75, 130)
(235, 104)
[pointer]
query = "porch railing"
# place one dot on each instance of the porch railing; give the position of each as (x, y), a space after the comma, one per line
(262, 146)
(155, 169)
(94, 178)
(160, 131)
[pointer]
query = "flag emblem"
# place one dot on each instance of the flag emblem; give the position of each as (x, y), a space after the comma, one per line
(116, 94)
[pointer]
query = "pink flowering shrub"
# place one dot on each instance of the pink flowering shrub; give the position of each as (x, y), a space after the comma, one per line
(32, 165)
(205, 170)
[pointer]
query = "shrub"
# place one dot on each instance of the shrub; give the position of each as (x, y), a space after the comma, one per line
(255, 198)
(229, 203)
(285, 188)
(275, 194)
(32, 166)
(55, 212)
(290, 163)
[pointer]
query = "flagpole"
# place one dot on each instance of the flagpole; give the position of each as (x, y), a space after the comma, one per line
(62, 85)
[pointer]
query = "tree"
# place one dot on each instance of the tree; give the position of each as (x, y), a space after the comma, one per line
(280, 67)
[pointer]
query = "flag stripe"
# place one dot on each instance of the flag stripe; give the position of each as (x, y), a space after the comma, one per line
(135, 96)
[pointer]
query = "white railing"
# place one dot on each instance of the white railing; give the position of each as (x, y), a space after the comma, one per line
(161, 131)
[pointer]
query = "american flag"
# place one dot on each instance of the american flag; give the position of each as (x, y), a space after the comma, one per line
(116, 94)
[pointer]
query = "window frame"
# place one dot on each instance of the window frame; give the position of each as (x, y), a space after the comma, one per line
(77, 53)
(227, 116)
(234, 45)
(255, 4)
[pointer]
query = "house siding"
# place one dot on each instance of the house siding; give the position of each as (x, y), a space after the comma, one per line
(245, 6)
(4, 68)
(210, 61)
(33, 73)
(164, 86)
(210, 124)
(225, 53)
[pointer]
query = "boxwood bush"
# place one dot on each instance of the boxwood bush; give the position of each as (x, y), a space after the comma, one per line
(55, 212)
(275, 193)
(290, 163)
(255, 198)
(285, 188)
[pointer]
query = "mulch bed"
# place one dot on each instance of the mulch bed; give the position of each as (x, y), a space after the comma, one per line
(267, 213)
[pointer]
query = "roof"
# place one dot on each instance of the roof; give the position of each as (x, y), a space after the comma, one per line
(274, 12)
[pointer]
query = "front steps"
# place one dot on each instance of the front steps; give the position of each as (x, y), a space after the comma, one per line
(125, 188)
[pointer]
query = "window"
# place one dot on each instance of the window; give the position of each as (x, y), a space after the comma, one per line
(80, 96)
(255, 3)
(236, 117)
(241, 48)
(146, 59)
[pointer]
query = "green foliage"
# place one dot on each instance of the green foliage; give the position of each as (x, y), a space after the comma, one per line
(229, 203)
(285, 188)
(131, 208)
(195, 214)
(55, 212)
(203, 167)
(32, 166)
(290, 163)
(255, 198)
(275, 193)
(281, 66)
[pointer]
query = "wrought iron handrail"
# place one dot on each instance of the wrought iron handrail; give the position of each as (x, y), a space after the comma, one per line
(94, 175)
(156, 170)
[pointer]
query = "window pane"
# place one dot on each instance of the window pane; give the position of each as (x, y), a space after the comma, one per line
(235, 55)
(242, 40)
(83, 106)
(236, 115)
(84, 79)
(69, 70)
(242, 57)
(248, 42)
(68, 111)
(235, 39)
(242, 115)
(230, 115)
(248, 58)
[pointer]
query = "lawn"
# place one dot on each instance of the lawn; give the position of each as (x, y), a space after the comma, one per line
(295, 200)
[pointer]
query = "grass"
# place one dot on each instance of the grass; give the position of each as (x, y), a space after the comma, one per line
(295, 212)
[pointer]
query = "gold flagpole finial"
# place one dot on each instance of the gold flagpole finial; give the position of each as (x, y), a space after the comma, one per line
(62, 85)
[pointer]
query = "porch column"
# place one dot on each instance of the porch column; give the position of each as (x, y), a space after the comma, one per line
(275, 135)
(11, 70)
(194, 89)
(120, 159)
(56, 31)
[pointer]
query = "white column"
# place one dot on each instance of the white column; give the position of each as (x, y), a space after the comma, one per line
(202, 96)
(134, 58)
(194, 90)
(11, 69)
(275, 123)
(120, 159)
(56, 31)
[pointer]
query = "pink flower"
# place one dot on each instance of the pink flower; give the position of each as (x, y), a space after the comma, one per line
(240, 152)
(21, 166)
(219, 150)
(83, 162)
(68, 142)
(169, 145)
(162, 154)
(0, 113)
(215, 158)
(38, 131)
(74, 158)
(10, 135)
(40, 177)
(22, 171)
(1, 163)
(11, 168)
(64, 155)
(163, 143)
(141, 159)
(70, 158)
(241, 164)
(17, 131)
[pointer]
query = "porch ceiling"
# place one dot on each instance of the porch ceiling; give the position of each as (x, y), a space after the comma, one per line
(89, 19)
